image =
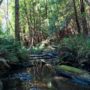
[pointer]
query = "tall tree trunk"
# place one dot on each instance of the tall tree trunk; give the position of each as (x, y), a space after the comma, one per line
(1, 2)
(84, 21)
(17, 27)
(46, 8)
(76, 17)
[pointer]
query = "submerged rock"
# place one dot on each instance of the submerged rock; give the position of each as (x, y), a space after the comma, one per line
(23, 76)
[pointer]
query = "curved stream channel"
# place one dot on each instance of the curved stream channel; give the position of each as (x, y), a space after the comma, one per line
(32, 79)
(38, 78)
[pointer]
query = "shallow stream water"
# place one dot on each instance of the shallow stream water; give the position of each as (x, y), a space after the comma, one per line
(37, 78)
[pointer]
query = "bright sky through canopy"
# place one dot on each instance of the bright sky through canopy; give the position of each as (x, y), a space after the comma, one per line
(3, 14)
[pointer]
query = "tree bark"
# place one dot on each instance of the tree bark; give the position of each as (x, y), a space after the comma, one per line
(84, 21)
(46, 9)
(76, 17)
(17, 27)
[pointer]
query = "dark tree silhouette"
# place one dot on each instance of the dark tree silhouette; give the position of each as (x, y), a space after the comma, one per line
(17, 27)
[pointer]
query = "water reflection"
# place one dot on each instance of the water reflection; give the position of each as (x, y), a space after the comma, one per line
(28, 79)
(38, 79)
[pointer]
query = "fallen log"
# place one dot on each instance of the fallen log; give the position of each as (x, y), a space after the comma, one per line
(44, 56)
(75, 75)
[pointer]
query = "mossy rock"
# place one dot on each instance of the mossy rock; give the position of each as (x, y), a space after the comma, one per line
(73, 71)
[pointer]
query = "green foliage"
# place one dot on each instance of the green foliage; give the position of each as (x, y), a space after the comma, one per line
(78, 43)
(76, 50)
(11, 50)
(47, 16)
(37, 49)
(23, 54)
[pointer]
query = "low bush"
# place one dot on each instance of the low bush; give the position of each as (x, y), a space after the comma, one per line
(12, 50)
(75, 50)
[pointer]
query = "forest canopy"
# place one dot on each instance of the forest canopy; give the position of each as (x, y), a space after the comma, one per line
(45, 17)
(28, 25)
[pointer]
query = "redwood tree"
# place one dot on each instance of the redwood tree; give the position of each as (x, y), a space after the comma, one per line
(17, 27)
(76, 17)
(84, 21)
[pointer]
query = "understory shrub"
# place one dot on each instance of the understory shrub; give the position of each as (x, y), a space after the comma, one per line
(12, 50)
(75, 50)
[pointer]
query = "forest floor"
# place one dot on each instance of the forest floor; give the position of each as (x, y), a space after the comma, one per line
(44, 69)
